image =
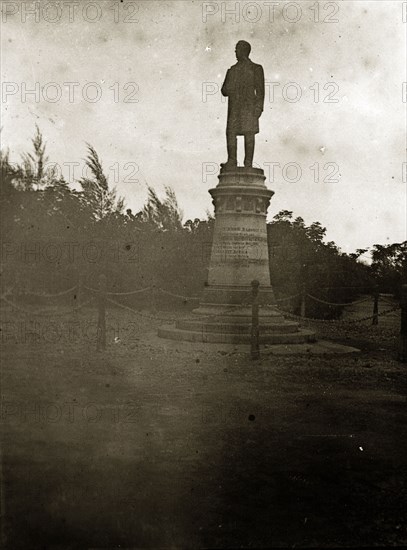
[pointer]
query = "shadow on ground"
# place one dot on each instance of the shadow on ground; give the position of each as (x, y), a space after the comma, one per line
(152, 447)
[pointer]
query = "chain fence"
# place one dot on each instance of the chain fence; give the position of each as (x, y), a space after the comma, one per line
(340, 321)
(5, 298)
(104, 297)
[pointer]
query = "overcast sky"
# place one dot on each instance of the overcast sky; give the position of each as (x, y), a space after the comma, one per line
(333, 103)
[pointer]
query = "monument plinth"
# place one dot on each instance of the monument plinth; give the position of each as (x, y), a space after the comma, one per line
(239, 252)
(239, 255)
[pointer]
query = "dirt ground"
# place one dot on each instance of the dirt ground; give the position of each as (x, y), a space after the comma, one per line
(152, 444)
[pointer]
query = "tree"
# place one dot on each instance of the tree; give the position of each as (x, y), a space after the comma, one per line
(389, 266)
(301, 260)
(96, 196)
(154, 247)
(163, 214)
(33, 163)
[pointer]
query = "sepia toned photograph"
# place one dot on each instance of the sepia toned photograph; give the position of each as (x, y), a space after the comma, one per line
(203, 270)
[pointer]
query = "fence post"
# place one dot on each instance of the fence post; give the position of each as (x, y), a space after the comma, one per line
(255, 349)
(101, 332)
(403, 326)
(153, 299)
(375, 320)
(79, 290)
(303, 298)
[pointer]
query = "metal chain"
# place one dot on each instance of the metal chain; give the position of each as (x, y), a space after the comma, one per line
(169, 293)
(386, 300)
(337, 304)
(155, 317)
(45, 295)
(178, 295)
(45, 312)
(285, 313)
(338, 321)
(129, 293)
(138, 291)
(132, 310)
(288, 298)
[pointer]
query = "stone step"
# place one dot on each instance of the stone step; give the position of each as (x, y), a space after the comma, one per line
(300, 337)
(235, 328)
(225, 313)
(242, 319)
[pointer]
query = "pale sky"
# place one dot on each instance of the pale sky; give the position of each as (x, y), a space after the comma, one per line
(175, 134)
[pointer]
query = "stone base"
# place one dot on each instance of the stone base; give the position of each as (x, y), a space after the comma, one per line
(236, 295)
(229, 323)
(230, 334)
(239, 255)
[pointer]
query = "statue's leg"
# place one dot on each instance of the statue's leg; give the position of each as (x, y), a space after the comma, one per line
(231, 142)
(248, 149)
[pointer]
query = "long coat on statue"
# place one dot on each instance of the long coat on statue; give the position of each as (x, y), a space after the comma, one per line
(244, 86)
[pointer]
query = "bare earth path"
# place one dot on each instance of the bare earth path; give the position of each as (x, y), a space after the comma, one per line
(152, 445)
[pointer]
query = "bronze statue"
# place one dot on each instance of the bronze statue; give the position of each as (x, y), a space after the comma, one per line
(244, 86)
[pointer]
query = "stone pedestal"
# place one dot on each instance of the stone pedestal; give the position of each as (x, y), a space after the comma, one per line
(239, 255)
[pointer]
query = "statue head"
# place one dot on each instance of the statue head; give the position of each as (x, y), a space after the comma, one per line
(242, 50)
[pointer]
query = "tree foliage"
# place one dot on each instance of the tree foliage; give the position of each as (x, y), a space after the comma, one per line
(165, 214)
(389, 265)
(302, 262)
(97, 197)
(54, 234)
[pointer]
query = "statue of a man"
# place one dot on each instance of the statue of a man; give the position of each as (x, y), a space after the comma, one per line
(244, 86)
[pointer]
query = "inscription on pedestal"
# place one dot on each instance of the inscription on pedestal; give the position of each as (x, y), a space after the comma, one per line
(239, 250)
(235, 244)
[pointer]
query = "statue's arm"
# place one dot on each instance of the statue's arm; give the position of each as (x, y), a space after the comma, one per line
(226, 85)
(260, 90)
